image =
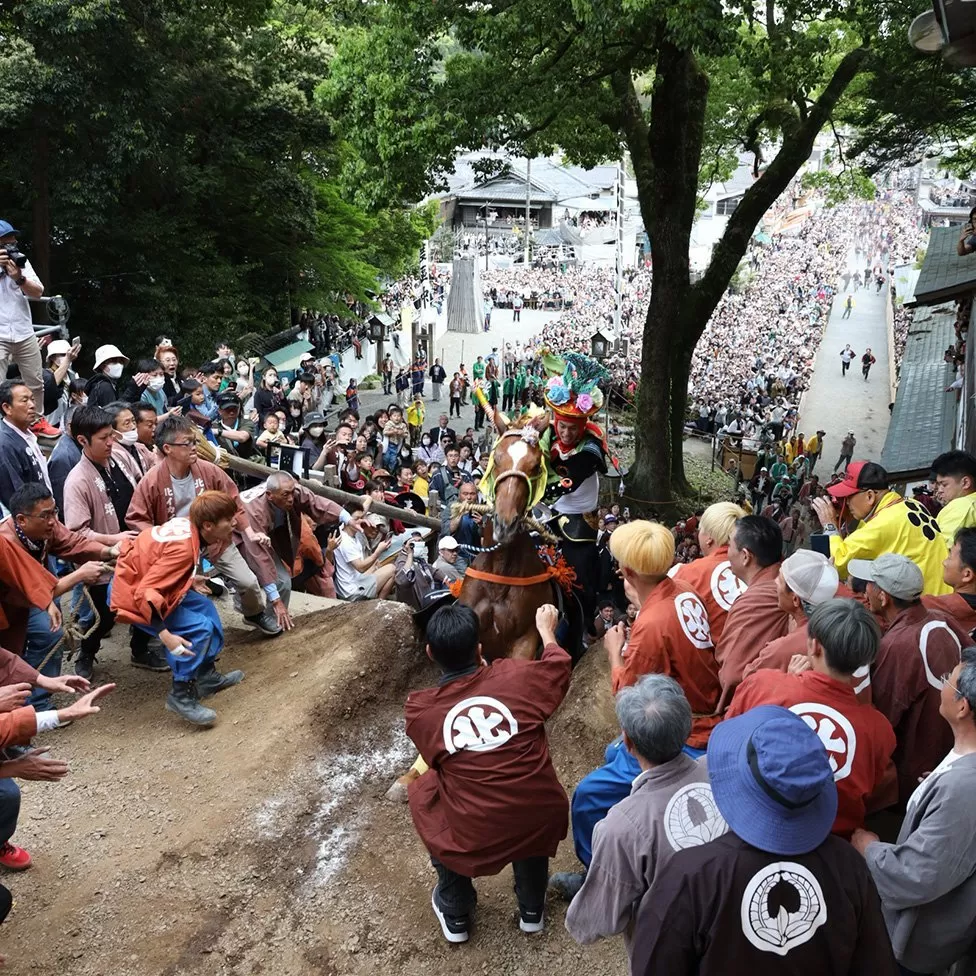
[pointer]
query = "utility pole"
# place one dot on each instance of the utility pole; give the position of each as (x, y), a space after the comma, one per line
(528, 210)
(486, 235)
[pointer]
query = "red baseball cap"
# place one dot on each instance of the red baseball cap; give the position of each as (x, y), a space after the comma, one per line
(860, 476)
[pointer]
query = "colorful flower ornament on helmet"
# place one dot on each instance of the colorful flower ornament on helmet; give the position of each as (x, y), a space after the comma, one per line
(572, 392)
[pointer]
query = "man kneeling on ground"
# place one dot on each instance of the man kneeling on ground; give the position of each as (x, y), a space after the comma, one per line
(155, 589)
(491, 796)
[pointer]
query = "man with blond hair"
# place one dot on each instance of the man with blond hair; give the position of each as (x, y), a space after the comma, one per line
(670, 636)
(711, 577)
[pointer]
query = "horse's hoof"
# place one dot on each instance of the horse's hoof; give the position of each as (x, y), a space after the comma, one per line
(397, 793)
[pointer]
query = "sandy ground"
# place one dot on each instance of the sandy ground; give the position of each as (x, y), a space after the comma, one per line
(264, 845)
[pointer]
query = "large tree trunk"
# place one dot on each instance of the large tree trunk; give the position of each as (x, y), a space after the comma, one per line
(666, 154)
(666, 160)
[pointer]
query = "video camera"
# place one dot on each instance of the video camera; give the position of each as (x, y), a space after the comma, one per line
(18, 257)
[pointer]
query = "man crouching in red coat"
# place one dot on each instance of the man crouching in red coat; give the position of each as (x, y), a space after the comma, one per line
(491, 796)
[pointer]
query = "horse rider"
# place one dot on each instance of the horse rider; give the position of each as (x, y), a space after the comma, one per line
(576, 452)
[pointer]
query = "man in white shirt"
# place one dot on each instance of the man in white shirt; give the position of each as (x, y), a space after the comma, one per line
(356, 575)
(18, 343)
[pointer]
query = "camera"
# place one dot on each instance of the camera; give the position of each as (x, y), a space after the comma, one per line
(18, 257)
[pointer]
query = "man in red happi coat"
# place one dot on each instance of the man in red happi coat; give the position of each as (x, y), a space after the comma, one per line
(491, 796)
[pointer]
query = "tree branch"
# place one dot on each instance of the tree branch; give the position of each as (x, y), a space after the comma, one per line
(764, 192)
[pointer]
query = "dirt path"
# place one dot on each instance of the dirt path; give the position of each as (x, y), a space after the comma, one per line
(264, 845)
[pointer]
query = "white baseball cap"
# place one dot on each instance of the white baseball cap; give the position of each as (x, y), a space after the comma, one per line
(104, 353)
(810, 576)
(448, 542)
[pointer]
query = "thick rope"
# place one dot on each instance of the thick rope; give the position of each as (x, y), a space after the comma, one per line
(71, 634)
(465, 508)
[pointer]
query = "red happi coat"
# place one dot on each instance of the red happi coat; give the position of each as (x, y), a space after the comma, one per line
(155, 571)
(491, 795)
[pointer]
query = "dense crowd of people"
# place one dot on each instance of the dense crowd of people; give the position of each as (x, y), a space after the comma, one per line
(792, 673)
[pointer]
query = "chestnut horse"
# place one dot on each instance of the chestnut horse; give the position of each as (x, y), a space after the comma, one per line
(508, 583)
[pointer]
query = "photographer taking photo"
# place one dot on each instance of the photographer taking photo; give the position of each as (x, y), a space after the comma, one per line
(967, 239)
(18, 343)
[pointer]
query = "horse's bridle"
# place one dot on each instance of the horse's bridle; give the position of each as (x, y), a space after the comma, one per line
(514, 472)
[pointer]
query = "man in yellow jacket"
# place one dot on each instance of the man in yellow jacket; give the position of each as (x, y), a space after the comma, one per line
(955, 486)
(886, 523)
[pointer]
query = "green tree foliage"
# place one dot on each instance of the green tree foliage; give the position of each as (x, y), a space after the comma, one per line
(682, 85)
(173, 170)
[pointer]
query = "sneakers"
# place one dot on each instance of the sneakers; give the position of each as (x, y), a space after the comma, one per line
(266, 622)
(41, 428)
(150, 660)
(454, 927)
(566, 884)
(183, 700)
(212, 681)
(15, 858)
(531, 922)
(84, 665)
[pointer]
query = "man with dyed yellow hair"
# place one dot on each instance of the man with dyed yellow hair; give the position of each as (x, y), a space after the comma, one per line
(670, 636)
(711, 577)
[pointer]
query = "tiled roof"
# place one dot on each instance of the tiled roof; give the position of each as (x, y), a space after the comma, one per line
(924, 415)
(944, 273)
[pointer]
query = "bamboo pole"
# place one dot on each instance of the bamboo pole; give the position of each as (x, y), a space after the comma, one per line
(406, 515)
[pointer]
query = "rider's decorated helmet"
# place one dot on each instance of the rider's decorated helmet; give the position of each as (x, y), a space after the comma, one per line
(572, 391)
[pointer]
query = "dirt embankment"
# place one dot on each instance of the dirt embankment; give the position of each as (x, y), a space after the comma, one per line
(264, 845)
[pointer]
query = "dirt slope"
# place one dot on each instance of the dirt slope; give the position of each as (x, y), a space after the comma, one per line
(264, 845)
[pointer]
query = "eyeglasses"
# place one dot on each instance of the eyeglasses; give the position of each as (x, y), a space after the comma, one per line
(48, 515)
(945, 681)
(183, 444)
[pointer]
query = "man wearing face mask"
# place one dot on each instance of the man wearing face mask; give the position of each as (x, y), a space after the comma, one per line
(414, 576)
(103, 385)
(313, 434)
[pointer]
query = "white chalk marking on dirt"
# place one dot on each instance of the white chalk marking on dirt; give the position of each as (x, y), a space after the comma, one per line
(337, 782)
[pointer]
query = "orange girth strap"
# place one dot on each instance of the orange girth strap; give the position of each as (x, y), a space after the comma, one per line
(507, 580)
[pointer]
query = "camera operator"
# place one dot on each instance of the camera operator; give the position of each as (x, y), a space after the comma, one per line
(18, 343)
(967, 239)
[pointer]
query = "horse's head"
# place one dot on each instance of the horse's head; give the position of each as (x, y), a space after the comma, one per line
(518, 464)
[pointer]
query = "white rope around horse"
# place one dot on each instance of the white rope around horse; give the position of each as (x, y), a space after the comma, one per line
(466, 508)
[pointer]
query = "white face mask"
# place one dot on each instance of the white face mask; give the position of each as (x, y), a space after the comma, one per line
(130, 436)
(113, 371)
(157, 382)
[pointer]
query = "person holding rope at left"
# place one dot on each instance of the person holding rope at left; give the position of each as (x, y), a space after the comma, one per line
(34, 529)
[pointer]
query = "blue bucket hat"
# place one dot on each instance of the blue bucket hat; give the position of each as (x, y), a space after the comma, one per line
(7, 228)
(772, 781)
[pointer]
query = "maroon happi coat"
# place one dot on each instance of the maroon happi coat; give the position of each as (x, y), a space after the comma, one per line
(491, 795)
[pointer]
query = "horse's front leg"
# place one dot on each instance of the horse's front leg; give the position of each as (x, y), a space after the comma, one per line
(525, 648)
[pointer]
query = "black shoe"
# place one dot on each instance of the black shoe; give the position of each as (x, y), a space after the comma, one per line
(183, 701)
(85, 665)
(454, 927)
(266, 622)
(531, 922)
(212, 681)
(149, 660)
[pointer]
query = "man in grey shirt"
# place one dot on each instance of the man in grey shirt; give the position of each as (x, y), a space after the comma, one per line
(670, 807)
(927, 880)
